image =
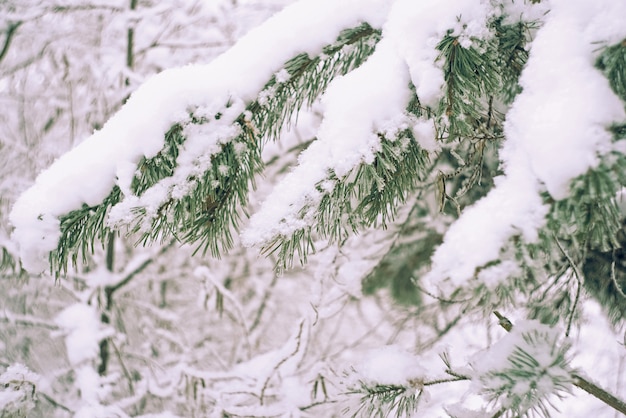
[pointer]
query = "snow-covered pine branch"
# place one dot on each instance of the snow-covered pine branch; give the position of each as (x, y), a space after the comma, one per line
(183, 104)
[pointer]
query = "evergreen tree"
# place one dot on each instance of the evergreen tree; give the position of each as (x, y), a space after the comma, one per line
(482, 139)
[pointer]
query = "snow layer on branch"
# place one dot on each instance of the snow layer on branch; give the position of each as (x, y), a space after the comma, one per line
(390, 365)
(417, 27)
(555, 131)
(368, 100)
(87, 173)
(567, 103)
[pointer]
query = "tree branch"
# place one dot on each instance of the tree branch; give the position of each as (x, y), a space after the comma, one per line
(123, 282)
(599, 393)
(9, 37)
(55, 403)
(11, 318)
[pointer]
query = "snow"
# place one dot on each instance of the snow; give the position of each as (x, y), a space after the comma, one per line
(566, 103)
(83, 332)
(599, 353)
(390, 365)
(425, 135)
(524, 11)
(138, 129)
(497, 274)
(513, 207)
(9, 400)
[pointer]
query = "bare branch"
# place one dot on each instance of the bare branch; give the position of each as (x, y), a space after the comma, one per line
(7, 40)
(283, 361)
(55, 403)
(26, 320)
(599, 393)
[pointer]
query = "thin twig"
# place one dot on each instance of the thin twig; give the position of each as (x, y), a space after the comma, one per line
(614, 278)
(55, 403)
(139, 269)
(313, 405)
(578, 276)
(457, 375)
(441, 333)
(458, 378)
(439, 298)
(263, 305)
(283, 361)
(9, 36)
(11, 318)
(131, 387)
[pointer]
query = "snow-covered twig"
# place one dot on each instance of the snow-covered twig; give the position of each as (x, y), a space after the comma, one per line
(295, 352)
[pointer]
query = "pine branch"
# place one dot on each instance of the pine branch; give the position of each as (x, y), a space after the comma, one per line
(579, 381)
(470, 77)
(79, 231)
(304, 78)
(368, 195)
(612, 62)
(380, 400)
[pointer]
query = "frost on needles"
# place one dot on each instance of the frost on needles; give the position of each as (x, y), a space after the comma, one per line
(500, 124)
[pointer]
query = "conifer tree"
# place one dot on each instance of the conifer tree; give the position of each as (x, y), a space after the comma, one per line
(484, 138)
